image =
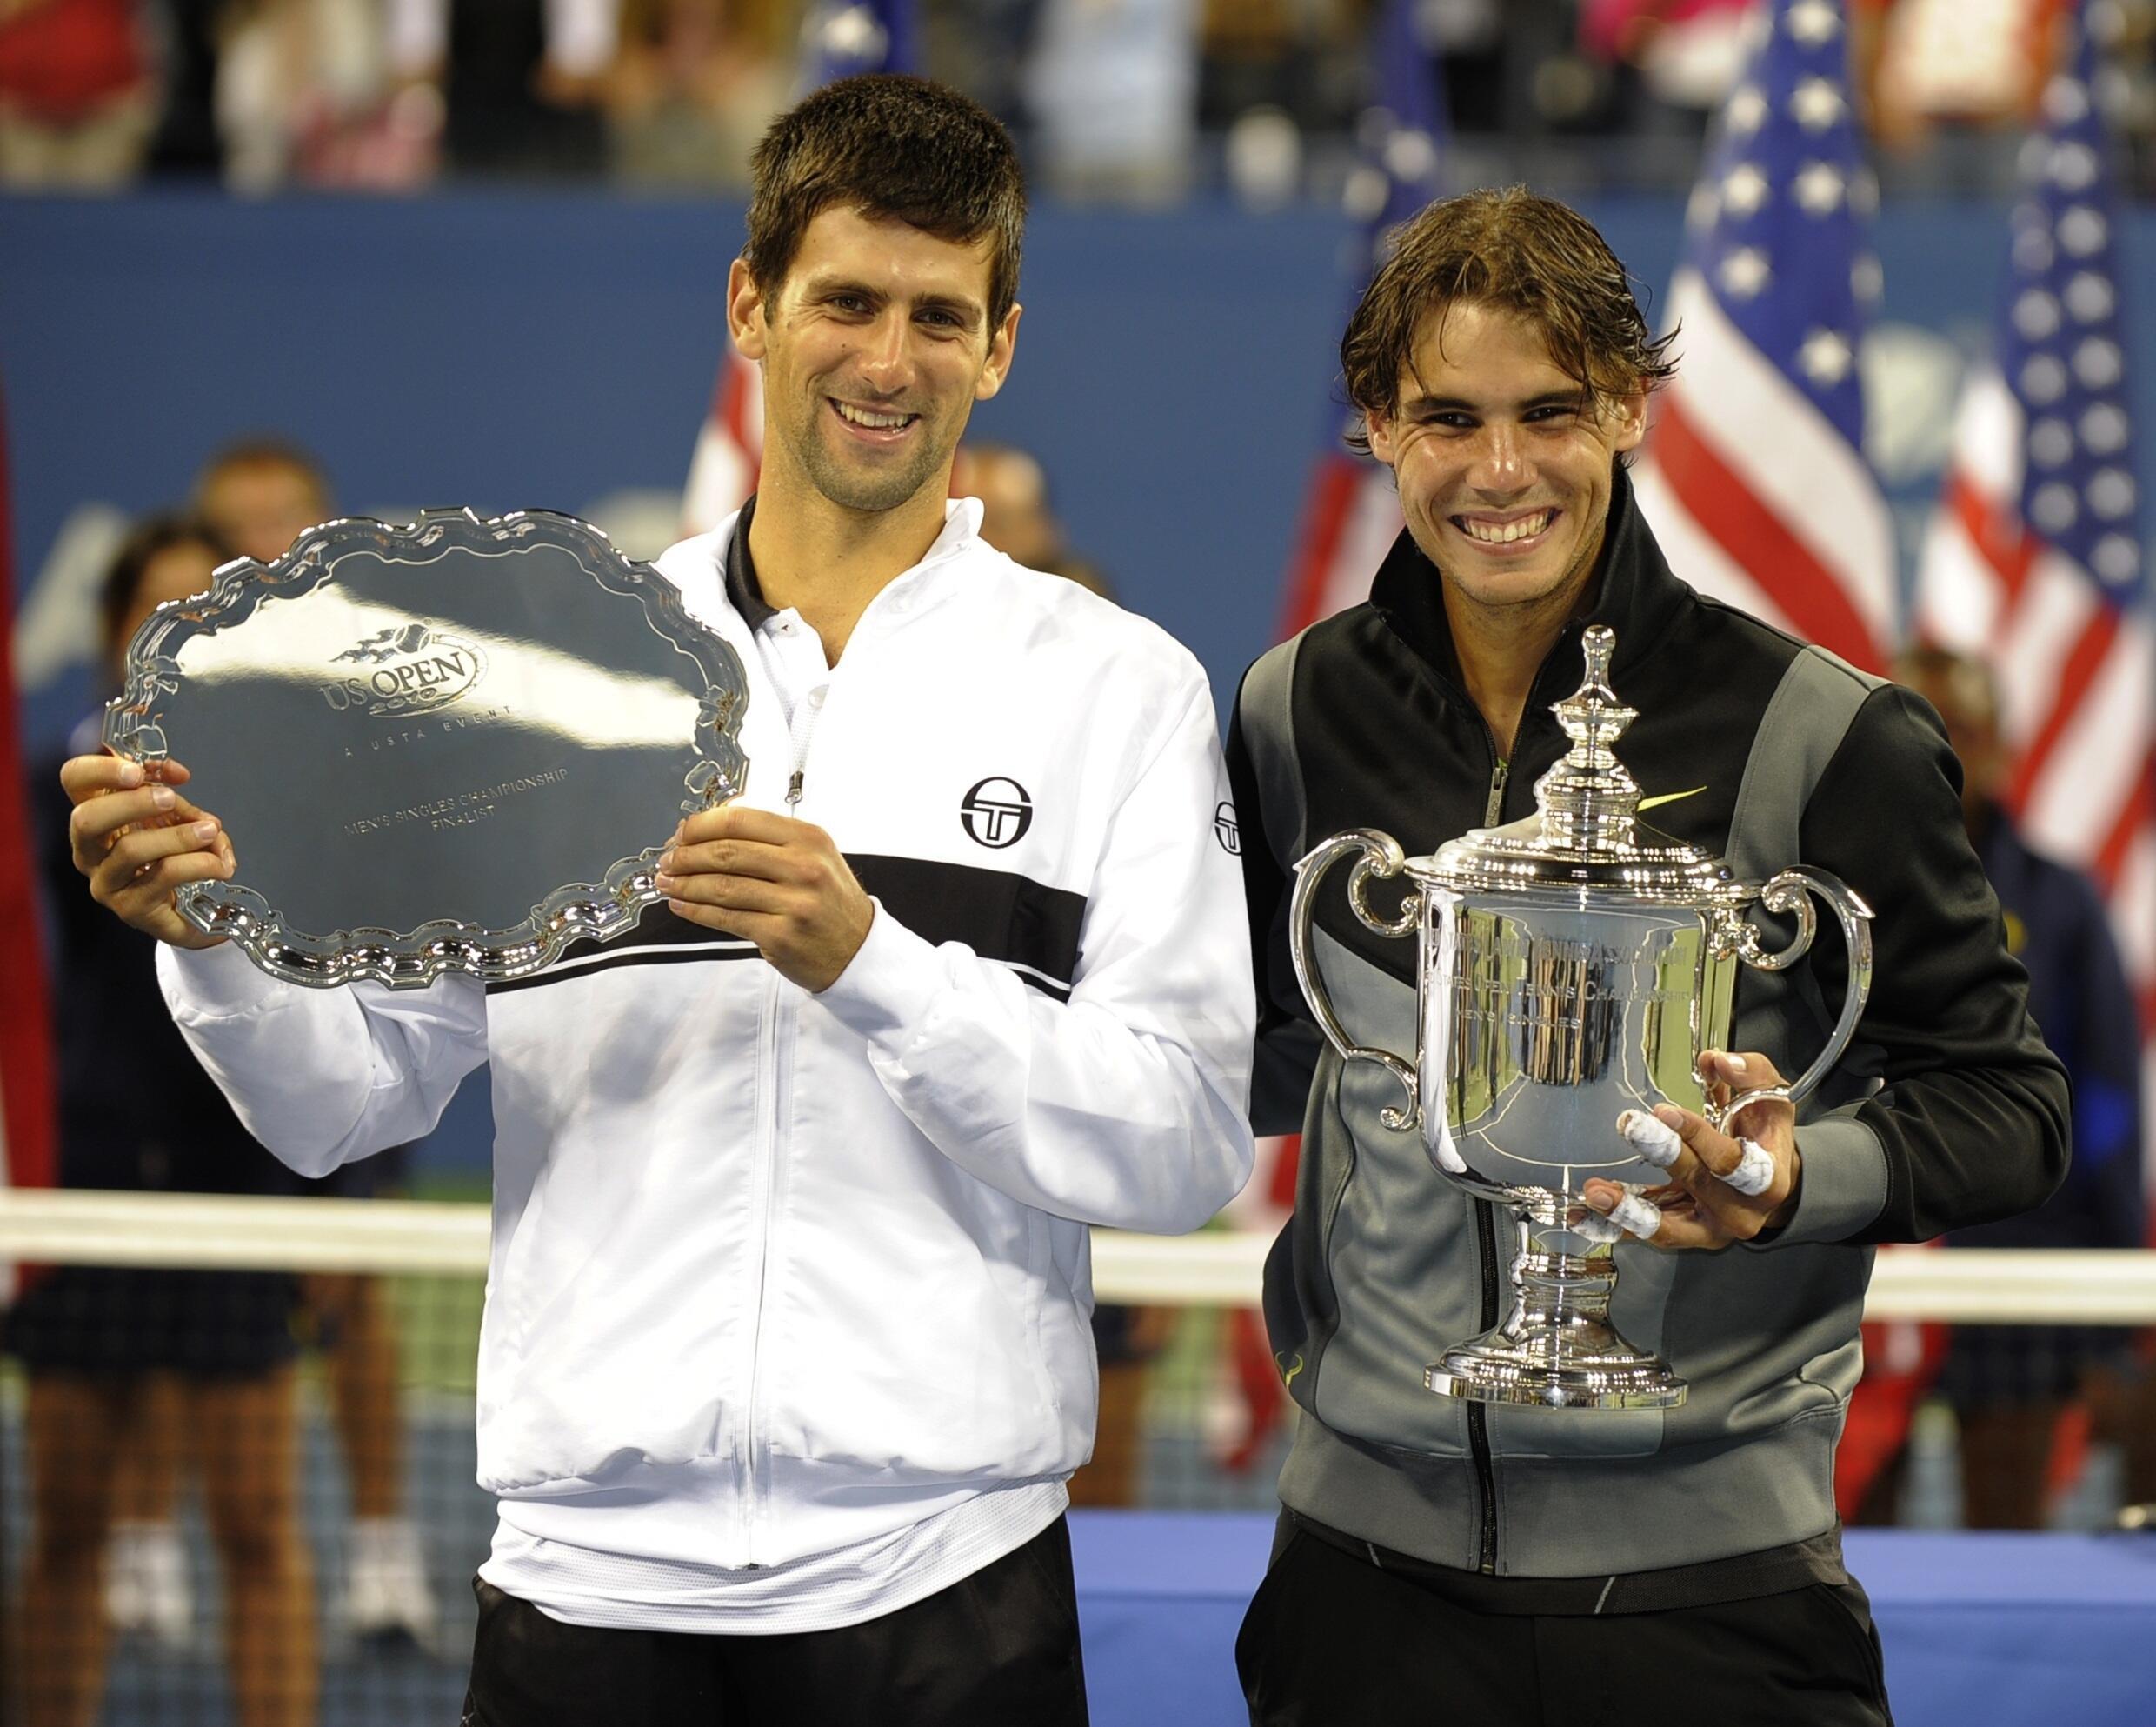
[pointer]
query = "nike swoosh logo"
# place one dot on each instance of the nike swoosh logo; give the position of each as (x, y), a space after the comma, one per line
(1668, 797)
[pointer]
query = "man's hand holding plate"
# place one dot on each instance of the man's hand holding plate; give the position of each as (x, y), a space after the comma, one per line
(779, 883)
(1722, 1186)
(136, 838)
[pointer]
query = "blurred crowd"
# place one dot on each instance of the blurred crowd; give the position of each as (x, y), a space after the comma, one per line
(1133, 100)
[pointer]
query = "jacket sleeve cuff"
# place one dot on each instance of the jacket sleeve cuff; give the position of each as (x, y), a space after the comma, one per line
(1843, 1185)
(219, 983)
(889, 985)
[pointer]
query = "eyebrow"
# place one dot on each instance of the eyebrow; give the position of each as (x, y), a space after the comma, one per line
(1454, 404)
(975, 312)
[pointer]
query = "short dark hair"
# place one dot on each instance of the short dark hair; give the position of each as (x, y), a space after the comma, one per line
(1973, 678)
(148, 539)
(264, 452)
(898, 149)
(1519, 252)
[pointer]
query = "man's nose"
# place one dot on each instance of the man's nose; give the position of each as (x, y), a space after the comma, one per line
(886, 357)
(1500, 463)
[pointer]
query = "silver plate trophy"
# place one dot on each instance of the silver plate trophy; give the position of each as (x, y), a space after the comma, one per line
(456, 746)
(1573, 965)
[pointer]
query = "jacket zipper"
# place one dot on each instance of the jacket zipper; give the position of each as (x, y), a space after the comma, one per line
(774, 1068)
(805, 713)
(1486, 1259)
(767, 1136)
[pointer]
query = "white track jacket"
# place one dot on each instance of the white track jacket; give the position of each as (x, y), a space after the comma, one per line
(804, 1270)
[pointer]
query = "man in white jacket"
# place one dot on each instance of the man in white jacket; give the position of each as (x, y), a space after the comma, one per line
(786, 1358)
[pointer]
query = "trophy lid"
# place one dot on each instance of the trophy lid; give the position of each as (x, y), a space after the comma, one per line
(1585, 833)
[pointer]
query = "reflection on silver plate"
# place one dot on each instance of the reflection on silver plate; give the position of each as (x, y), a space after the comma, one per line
(456, 746)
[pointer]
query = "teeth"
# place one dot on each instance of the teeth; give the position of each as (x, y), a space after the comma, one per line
(861, 417)
(1498, 534)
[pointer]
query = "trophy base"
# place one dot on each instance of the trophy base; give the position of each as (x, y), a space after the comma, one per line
(1498, 1368)
(1557, 1350)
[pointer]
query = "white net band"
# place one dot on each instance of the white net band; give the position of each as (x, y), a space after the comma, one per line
(1218, 1268)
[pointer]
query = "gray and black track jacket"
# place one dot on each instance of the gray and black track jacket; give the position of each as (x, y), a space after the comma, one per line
(1946, 1111)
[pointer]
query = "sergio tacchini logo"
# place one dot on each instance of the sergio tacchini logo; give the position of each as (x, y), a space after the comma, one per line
(997, 812)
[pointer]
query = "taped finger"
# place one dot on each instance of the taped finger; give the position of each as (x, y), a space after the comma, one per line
(1641, 1217)
(1754, 1172)
(1651, 1136)
(1598, 1230)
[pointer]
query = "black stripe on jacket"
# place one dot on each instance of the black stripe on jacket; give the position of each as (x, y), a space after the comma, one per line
(1002, 917)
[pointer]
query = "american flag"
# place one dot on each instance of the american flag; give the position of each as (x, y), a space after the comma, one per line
(1351, 514)
(842, 39)
(2034, 559)
(1753, 475)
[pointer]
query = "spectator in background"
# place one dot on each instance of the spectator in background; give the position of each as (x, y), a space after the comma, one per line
(261, 495)
(2010, 1384)
(1112, 86)
(304, 93)
(521, 81)
(1684, 54)
(105, 1348)
(981, 46)
(256, 498)
(77, 97)
(693, 87)
(1920, 62)
(1018, 520)
(1017, 516)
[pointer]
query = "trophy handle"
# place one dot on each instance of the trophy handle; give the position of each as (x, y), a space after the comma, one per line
(1382, 857)
(1788, 892)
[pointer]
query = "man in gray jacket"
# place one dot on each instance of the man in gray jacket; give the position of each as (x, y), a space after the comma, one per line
(1447, 1560)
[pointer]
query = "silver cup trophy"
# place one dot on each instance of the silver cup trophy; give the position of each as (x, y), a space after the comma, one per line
(1573, 965)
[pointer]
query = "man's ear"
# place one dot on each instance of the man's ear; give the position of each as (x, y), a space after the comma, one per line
(1003, 345)
(1629, 414)
(744, 311)
(1379, 429)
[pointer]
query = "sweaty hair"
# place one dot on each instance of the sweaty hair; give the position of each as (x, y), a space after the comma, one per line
(896, 149)
(148, 539)
(1518, 252)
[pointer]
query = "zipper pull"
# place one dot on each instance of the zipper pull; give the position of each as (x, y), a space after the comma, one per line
(1495, 808)
(793, 789)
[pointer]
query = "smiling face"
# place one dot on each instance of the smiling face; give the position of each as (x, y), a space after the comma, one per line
(1505, 467)
(875, 347)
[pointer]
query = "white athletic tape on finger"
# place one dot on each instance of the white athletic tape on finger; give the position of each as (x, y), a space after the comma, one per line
(1597, 1230)
(1754, 1172)
(1651, 1136)
(1638, 1217)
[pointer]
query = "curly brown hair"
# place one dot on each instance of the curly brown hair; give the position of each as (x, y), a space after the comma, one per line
(895, 148)
(1518, 251)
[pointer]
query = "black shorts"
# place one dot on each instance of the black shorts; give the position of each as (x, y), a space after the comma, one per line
(997, 1648)
(132, 1319)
